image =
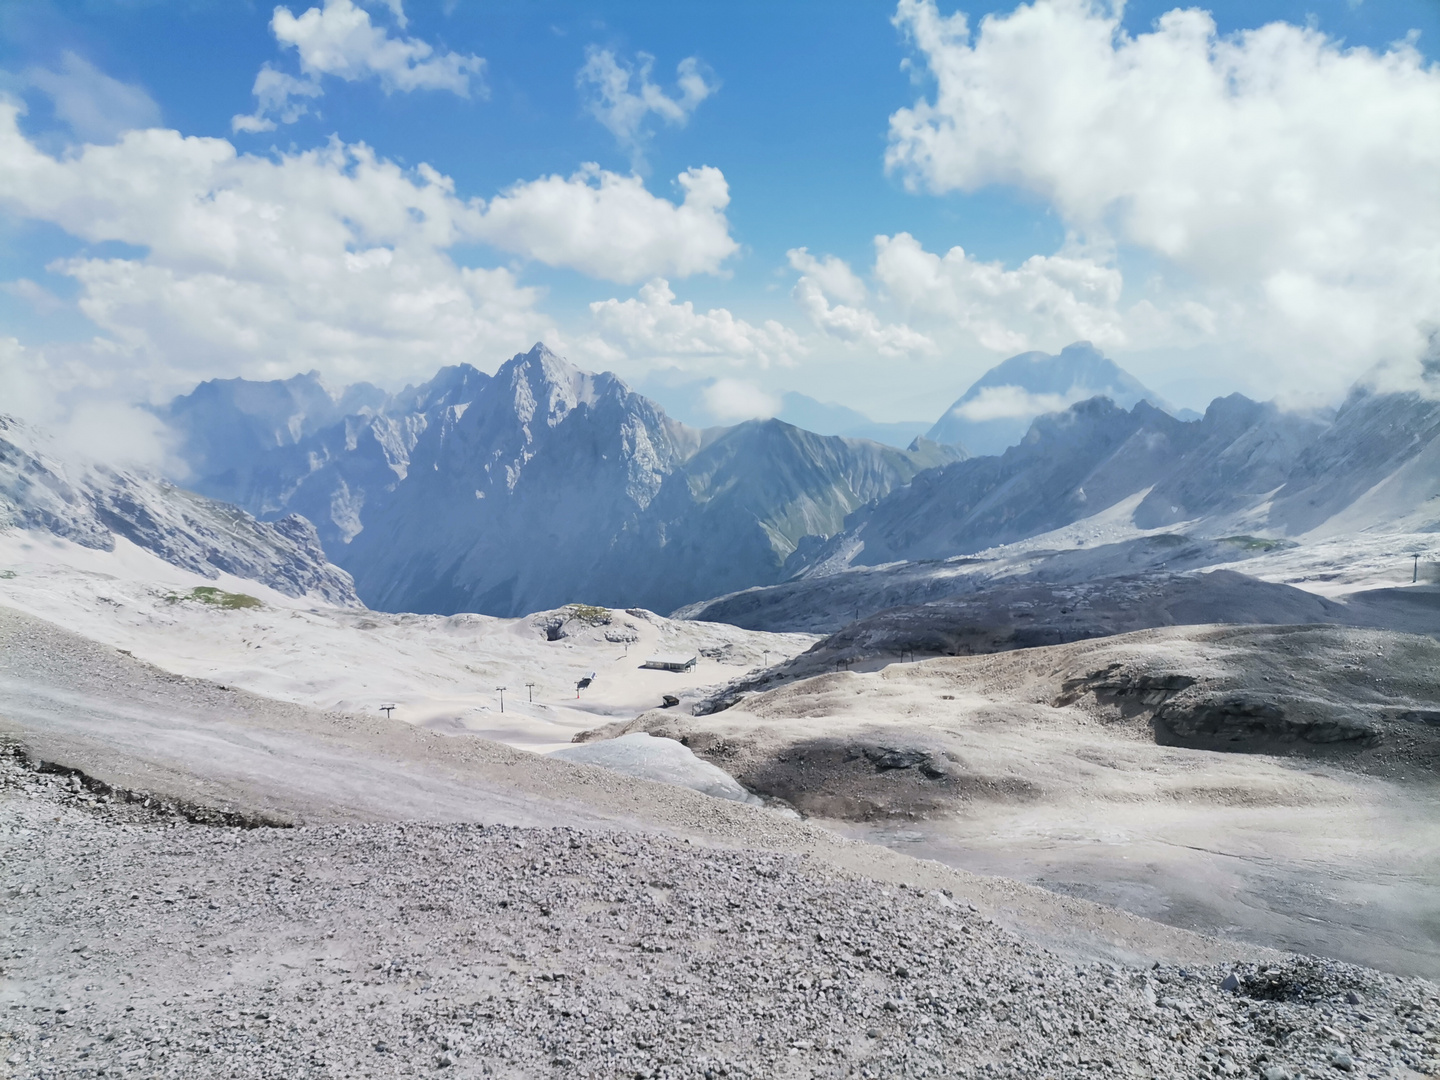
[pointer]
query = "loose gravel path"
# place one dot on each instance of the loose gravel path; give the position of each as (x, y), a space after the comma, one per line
(139, 943)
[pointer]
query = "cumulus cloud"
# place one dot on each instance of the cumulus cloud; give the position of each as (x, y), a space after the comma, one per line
(608, 226)
(262, 266)
(277, 97)
(95, 106)
(651, 329)
(1048, 301)
(621, 96)
(832, 274)
(339, 40)
(1290, 178)
(729, 400)
(857, 325)
(850, 321)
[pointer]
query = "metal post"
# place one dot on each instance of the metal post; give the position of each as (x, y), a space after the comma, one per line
(531, 687)
(502, 690)
(1415, 577)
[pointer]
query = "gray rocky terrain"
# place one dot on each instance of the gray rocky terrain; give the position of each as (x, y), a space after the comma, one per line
(140, 943)
(1026, 614)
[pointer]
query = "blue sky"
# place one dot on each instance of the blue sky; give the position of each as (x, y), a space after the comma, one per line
(800, 117)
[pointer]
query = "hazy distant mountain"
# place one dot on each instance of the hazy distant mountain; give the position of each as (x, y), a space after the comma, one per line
(995, 413)
(91, 504)
(1243, 466)
(689, 402)
(825, 418)
(290, 446)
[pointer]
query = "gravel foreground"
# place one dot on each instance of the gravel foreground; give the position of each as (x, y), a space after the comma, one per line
(138, 942)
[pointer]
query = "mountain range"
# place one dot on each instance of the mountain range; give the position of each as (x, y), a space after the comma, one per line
(544, 485)
(1242, 467)
(538, 486)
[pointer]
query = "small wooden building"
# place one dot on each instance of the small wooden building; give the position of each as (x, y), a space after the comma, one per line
(671, 662)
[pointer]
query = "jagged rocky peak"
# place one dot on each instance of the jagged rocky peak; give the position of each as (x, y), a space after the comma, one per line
(456, 384)
(996, 411)
(46, 489)
(545, 384)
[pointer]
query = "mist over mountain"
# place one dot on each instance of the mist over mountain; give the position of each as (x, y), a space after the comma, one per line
(92, 504)
(995, 412)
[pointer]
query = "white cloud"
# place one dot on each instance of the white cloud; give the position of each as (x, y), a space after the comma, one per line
(41, 299)
(95, 106)
(857, 325)
(1048, 301)
(608, 226)
(729, 400)
(621, 96)
(262, 266)
(831, 273)
(76, 404)
(851, 321)
(1289, 180)
(275, 96)
(396, 9)
(340, 40)
(1014, 402)
(651, 329)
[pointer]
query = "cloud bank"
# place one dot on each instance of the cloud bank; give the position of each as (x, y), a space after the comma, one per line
(1288, 180)
(332, 258)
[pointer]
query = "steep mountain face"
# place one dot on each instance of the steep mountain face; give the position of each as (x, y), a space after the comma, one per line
(291, 447)
(91, 504)
(1378, 463)
(995, 413)
(519, 494)
(1070, 465)
(554, 485)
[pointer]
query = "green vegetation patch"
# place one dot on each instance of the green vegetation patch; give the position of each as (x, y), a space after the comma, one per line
(208, 594)
(1257, 543)
(586, 613)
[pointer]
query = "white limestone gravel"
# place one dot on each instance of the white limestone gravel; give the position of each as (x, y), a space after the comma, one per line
(139, 943)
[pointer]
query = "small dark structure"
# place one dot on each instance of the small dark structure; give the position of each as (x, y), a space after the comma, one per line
(671, 662)
(387, 710)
